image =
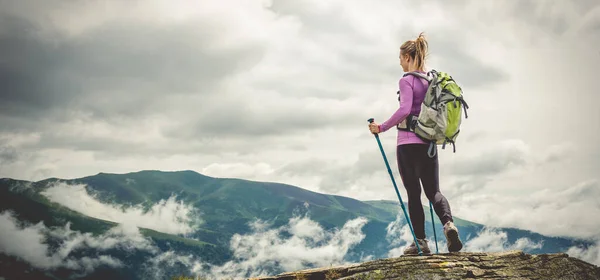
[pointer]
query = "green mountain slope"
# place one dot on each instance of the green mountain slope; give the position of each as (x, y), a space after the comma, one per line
(24, 200)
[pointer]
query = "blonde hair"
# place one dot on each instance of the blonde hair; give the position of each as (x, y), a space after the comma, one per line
(417, 50)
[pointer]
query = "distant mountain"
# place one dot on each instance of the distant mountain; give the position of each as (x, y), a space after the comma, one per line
(226, 206)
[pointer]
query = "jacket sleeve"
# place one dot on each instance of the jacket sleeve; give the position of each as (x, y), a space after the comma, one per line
(406, 101)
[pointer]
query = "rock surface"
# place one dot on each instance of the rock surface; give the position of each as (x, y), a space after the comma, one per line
(504, 265)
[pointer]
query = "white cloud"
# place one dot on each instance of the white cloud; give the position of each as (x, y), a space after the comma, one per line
(257, 252)
(269, 249)
(125, 237)
(26, 242)
(487, 240)
(398, 236)
(493, 240)
(238, 170)
(30, 243)
(589, 254)
(169, 216)
(155, 267)
(547, 211)
(557, 152)
(492, 159)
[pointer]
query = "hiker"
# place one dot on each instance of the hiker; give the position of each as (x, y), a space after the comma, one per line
(413, 160)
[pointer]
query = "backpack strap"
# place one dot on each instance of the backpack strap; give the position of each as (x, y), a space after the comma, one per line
(420, 75)
(432, 149)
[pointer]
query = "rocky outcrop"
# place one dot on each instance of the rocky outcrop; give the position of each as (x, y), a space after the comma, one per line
(505, 265)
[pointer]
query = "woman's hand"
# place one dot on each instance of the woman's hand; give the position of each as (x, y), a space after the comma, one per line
(374, 128)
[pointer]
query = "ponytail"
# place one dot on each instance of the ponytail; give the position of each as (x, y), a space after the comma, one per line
(421, 46)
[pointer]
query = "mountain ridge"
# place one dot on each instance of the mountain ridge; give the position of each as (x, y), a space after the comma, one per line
(277, 186)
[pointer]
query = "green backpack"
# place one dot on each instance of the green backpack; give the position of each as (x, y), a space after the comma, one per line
(440, 117)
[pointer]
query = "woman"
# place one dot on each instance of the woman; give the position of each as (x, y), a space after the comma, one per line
(413, 161)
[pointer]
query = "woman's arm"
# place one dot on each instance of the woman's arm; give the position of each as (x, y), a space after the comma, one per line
(406, 101)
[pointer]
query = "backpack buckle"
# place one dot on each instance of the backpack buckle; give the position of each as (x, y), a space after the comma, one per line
(408, 124)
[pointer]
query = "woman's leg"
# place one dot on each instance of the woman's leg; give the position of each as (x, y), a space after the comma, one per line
(406, 156)
(428, 171)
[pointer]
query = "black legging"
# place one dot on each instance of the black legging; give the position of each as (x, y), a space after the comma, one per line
(415, 164)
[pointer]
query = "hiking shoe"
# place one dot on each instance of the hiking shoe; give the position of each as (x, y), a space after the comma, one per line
(451, 232)
(412, 249)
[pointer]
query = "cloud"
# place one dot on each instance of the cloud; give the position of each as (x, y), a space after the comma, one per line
(123, 236)
(496, 159)
(494, 240)
(267, 249)
(94, 68)
(470, 67)
(347, 175)
(243, 170)
(156, 267)
(109, 69)
(538, 210)
(589, 254)
(399, 236)
(179, 77)
(300, 244)
(558, 152)
(168, 216)
(33, 250)
(504, 166)
(114, 74)
(582, 191)
(8, 155)
(486, 240)
(467, 172)
(30, 243)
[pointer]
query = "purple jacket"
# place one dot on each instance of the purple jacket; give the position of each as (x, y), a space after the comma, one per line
(412, 93)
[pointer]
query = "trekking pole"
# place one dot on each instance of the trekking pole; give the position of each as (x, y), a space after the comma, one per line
(396, 188)
(433, 225)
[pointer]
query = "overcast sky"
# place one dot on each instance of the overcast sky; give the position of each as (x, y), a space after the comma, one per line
(282, 90)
